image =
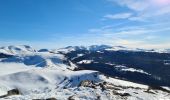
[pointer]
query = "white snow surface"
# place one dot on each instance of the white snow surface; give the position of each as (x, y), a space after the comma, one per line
(124, 68)
(85, 62)
(55, 79)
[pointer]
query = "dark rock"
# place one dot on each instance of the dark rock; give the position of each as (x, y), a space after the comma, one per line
(86, 83)
(2, 55)
(51, 99)
(11, 92)
(46, 99)
(71, 97)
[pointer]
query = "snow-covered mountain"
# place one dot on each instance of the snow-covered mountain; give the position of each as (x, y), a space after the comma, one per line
(26, 74)
(108, 48)
(21, 49)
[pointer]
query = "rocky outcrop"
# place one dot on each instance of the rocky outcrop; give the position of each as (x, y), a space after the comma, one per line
(11, 92)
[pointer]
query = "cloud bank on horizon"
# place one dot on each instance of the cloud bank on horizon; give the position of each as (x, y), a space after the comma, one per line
(55, 23)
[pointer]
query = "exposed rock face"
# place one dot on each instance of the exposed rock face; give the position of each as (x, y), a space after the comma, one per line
(46, 99)
(86, 83)
(51, 99)
(11, 92)
(71, 97)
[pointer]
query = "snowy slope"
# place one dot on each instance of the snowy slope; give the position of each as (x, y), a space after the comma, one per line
(42, 75)
(20, 49)
(47, 83)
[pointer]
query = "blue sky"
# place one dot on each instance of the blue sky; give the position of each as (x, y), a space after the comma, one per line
(59, 23)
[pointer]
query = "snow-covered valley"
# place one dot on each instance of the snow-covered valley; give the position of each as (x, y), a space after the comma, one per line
(52, 76)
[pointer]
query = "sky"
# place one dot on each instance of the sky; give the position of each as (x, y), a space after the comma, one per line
(60, 23)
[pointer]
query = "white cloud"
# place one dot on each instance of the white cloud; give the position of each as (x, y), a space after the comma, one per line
(164, 10)
(134, 32)
(131, 30)
(136, 36)
(118, 16)
(150, 37)
(137, 5)
(146, 9)
(142, 44)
